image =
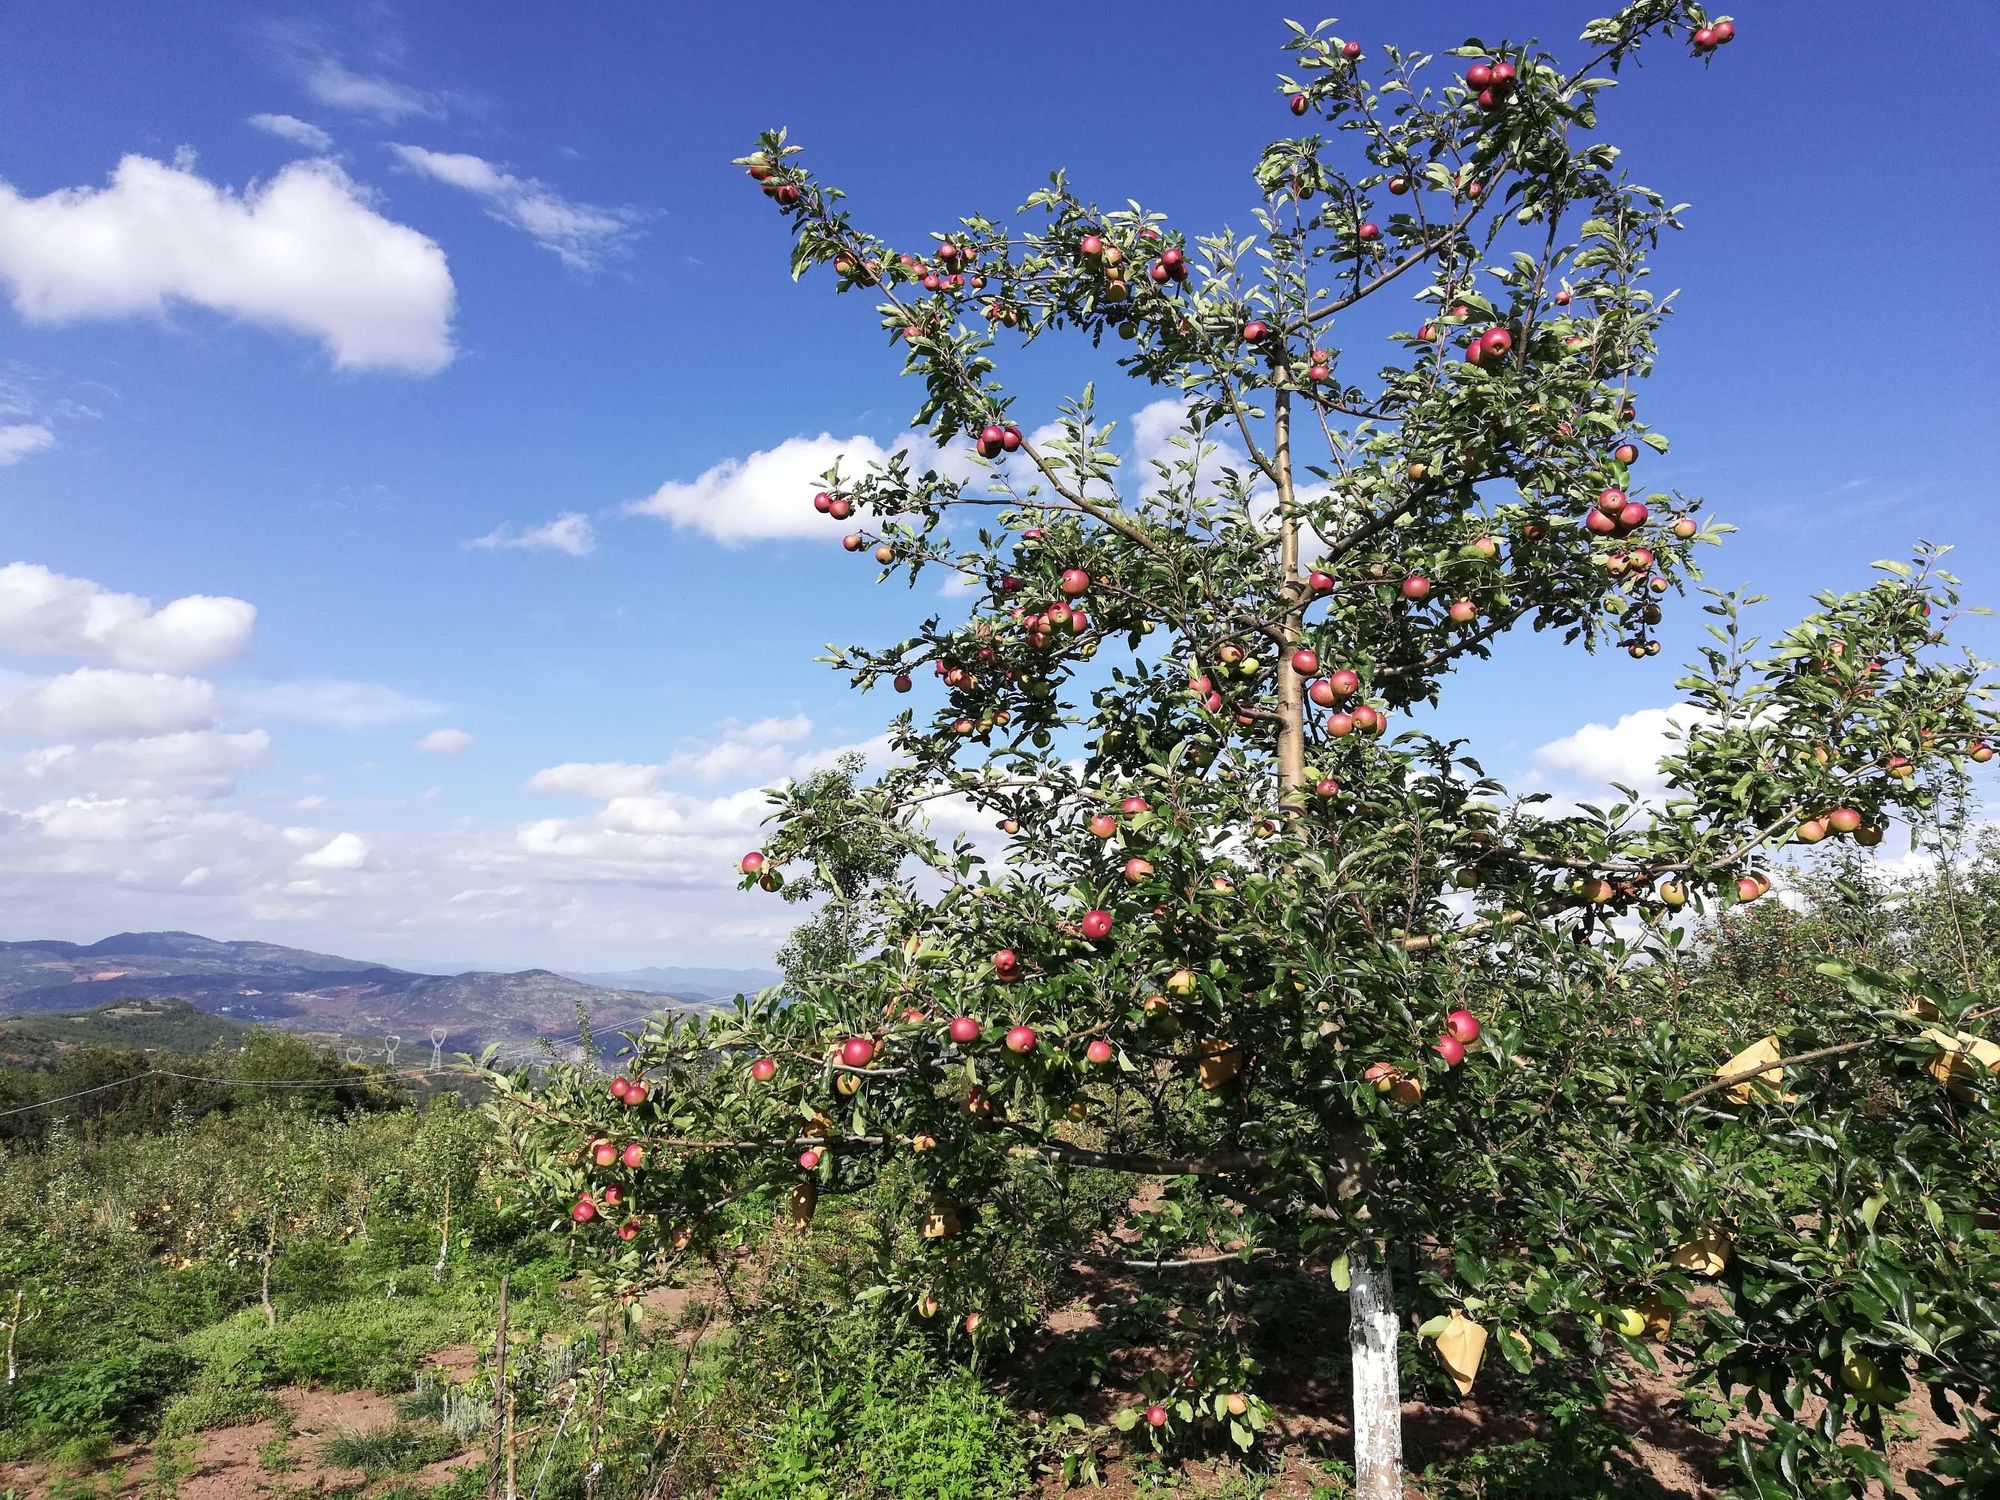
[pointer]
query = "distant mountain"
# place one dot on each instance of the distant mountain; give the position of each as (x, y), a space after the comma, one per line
(250, 982)
(686, 983)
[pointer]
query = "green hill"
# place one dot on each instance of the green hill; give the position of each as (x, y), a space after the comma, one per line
(39, 1041)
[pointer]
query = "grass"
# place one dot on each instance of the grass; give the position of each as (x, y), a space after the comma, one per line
(399, 1448)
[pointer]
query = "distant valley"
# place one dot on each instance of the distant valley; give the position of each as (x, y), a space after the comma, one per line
(293, 988)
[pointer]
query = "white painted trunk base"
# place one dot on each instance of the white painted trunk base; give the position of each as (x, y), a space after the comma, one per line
(1378, 1403)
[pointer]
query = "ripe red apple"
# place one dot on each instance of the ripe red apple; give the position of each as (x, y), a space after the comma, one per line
(1399, 185)
(1091, 245)
(1611, 501)
(1099, 1052)
(1103, 825)
(1463, 1025)
(1812, 830)
(1137, 870)
(1298, 104)
(1416, 588)
(1254, 330)
(1322, 693)
(764, 1069)
(1368, 230)
(853, 541)
(1010, 439)
(629, 1230)
(1981, 752)
(618, 1088)
(1748, 888)
(584, 1211)
(1156, 1416)
(840, 508)
(1074, 582)
(1479, 76)
(964, 1029)
(1451, 1049)
(1369, 719)
(809, 1159)
(1339, 725)
(1463, 611)
(1597, 521)
(1305, 661)
(857, 1051)
(822, 502)
(1021, 1040)
(1133, 805)
(614, 1195)
(1351, 51)
(1495, 342)
(1626, 454)
(635, 1095)
(1725, 32)
(1344, 682)
(1006, 959)
(751, 863)
(1326, 786)
(603, 1153)
(1097, 924)
(1320, 583)
(1633, 516)
(1704, 39)
(1563, 298)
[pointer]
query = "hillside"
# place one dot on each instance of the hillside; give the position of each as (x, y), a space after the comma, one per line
(249, 982)
(687, 983)
(125, 1025)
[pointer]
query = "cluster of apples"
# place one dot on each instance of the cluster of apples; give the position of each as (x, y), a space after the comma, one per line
(1491, 83)
(1615, 513)
(766, 871)
(1461, 1030)
(1336, 691)
(996, 438)
(1849, 821)
(630, 1092)
(1720, 34)
(779, 190)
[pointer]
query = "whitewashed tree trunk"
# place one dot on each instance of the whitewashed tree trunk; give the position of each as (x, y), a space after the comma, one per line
(1378, 1404)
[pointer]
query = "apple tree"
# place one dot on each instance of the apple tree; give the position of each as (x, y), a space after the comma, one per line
(1173, 877)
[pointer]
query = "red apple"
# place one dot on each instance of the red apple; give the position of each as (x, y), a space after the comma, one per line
(1097, 924)
(1368, 230)
(1137, 870)
(1399, 185)
(1633, 516)
(964, 1029)
(1305, 661)
(1074, 582)
(1021, 1040)
(1156, 1416)
(1298, 104)
(1320, 583)
(822, 502)
(635, 1095)
(764, 1069)
(629, 1230)
(1103, 825)
(1322, 693)
(1099, 1052)
(857, 1051)
(1463, 611)
(1626, 454)
(1133, 805)
(1339, 725)
(751, 863)
(1006, 959)
(618, 1088)
(1254, 330)
(1344, 682)
(1611, 501)
(1463, 1025)
(1597, 521)
(1451, 1049)
(603, 1153)
(1495, 342)
(1326, 786)
(1684, 527)
(1416, 588)
(809, 1159)
(1351, 51)
(1091, 245)
(584, 1211)
(1479, 76)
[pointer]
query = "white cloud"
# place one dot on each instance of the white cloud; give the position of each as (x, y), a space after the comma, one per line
(298, 132)
(197, 763)
(594, 779)
(344, 851)
(1628, 752)
(581, 235)
(45, 612)
(445, 742)
(102, 703)
(742, 751)
(334, 701)
(569, 532)
(19, 439)
(768, 494)
(303, 252)
(337, 86)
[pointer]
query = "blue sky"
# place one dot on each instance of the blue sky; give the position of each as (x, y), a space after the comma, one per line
(503, 275)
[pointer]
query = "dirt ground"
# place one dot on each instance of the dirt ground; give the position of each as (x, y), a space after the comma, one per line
(1673, 1459)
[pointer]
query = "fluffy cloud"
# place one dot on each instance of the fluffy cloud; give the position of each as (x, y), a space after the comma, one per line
(191, 763)
(102, 703)
(298, 132)
(344, 851)
(1628, 752)
(336, 702)
(19, 439)
(44, 612)
(445, 742)
(743, 750)
(304, 253)
(595, 780)
(581, 235)
(569, 532)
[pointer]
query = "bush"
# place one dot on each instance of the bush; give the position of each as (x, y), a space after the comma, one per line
(110, 1394)
(399, 1448)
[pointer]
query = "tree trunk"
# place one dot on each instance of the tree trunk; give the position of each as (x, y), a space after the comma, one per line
(1378, 1406)
(1378, 1403)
